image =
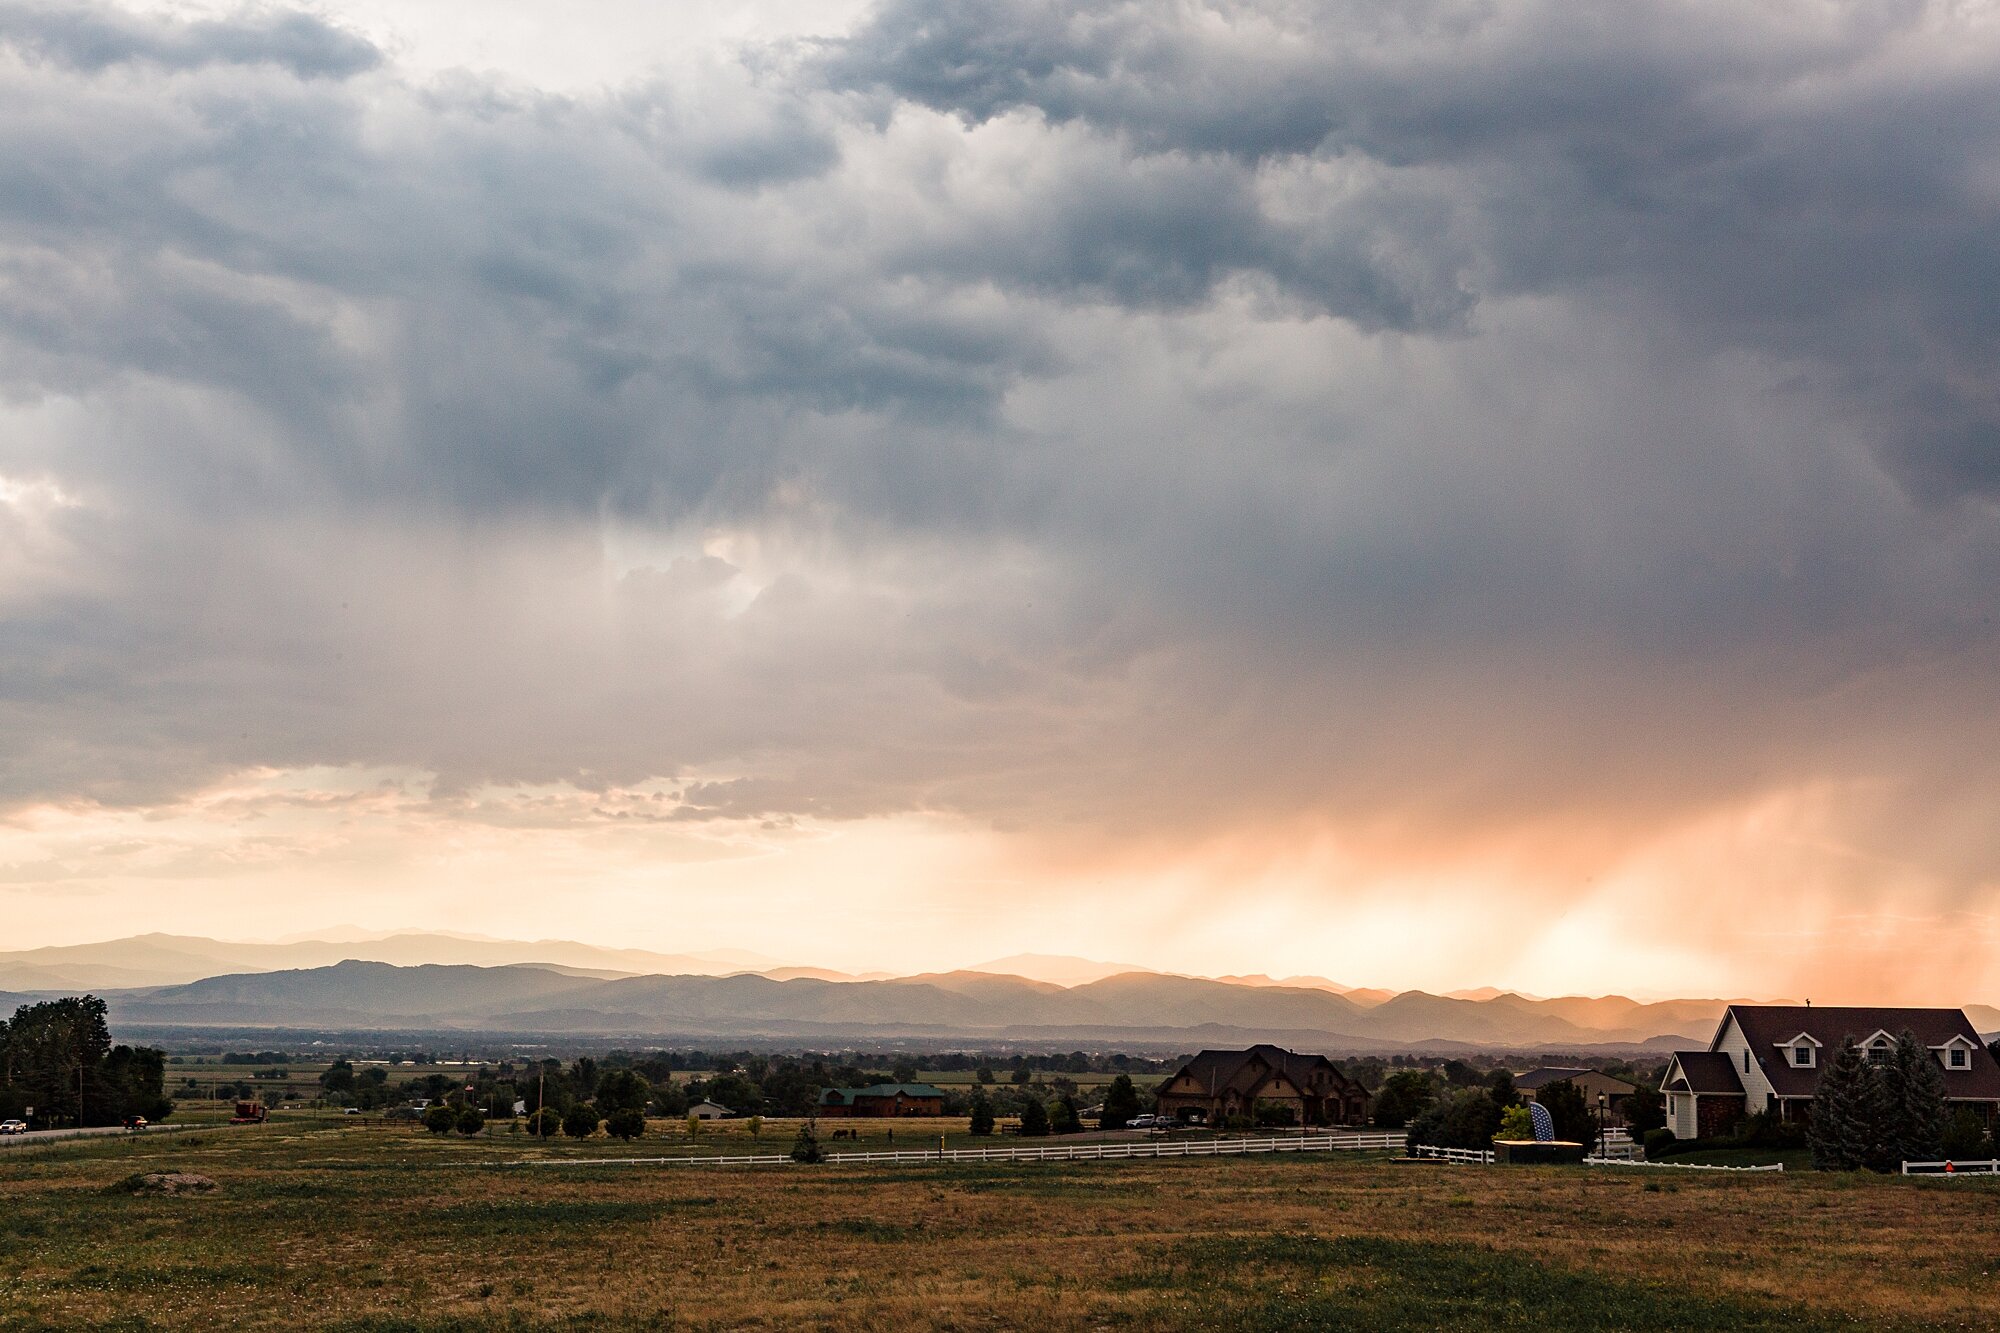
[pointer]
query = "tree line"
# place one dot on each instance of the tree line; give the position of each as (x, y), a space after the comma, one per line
(57, 1057)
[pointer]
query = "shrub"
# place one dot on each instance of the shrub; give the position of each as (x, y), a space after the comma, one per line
(440, 1119)
(1403, 1096)
(1516, 1123)
(1466, 1121)
(1645, 1110)
(1275, 1115)
(1063, 1118)
(1964, 1137)
(982, 1115)
(545, 1123)
(1574, 1122)
(627, 1123)
(806, 1147)
(1121, 1103)
(580, 1121)
(756, 1124)
(470, 1121)
(1659, 1144)
(1034, 1119)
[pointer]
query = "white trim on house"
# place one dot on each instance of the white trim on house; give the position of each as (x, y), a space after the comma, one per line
(1730, 1040)
(1959, 1045)
(1803, 1044)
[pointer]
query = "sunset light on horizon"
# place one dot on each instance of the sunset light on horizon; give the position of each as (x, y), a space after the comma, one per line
(1427, 497)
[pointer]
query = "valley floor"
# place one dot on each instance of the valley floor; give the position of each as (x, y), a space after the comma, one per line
(390, 1229)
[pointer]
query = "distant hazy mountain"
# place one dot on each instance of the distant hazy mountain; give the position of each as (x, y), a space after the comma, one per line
(162, 960)
(417, 980)
(973, 1005)
(1059, 969)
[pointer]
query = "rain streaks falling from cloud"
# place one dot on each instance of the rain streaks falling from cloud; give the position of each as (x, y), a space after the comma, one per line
(1316, 457)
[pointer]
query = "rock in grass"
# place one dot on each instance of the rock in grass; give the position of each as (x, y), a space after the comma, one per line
(164, 1182)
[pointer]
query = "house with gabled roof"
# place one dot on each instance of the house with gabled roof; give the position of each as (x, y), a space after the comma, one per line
(883, 1100)
(1598, 1089)
(1768, 1057)
(1218, 1085)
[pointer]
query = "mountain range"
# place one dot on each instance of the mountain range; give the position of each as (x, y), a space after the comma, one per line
(436, 982)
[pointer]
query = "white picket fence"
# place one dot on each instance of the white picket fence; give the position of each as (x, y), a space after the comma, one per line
(1675, 1166)
(1053, 1152)
(1463, 1156)
(1990, 1167)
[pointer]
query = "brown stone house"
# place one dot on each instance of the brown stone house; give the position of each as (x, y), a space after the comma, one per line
(1768, 1057)
(881, 1101)
(1217, 1085)
(1591, 1083)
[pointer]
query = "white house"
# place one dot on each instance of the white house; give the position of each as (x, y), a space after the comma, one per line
(707, 1110)
(1768, 1057)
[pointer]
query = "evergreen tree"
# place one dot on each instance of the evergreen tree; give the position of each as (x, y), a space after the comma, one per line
(1063, 1118)
(1915, 1085)
(1034, 1119)
(1876, 1107)
(1121, 1103)
(1839, 1133)
(982, 1115)
(806, 1148)
(1501, 1087)
(1574, 1120)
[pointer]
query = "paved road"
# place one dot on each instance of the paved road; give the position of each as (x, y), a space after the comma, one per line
(42, 1136)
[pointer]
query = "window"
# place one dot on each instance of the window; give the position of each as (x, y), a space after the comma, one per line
(1960, 1058)
(1802, 1056)
(1878, 1052)
(1746, 1060)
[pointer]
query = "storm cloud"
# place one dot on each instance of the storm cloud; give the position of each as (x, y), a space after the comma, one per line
(1461, 433)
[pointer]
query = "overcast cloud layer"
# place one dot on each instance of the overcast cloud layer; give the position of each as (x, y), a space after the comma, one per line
(1330, 459)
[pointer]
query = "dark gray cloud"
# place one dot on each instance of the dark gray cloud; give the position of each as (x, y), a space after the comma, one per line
(92, 38)
(1137, 417)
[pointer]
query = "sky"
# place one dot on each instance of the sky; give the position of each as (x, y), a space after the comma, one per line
(1457, 493)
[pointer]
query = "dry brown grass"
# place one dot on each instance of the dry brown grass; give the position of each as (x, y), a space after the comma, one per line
(396, 1229)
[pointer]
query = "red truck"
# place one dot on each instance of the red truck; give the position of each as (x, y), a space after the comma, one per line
(250, 1113)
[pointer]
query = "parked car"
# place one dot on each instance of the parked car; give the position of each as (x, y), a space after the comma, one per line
(135, 1122)
(1146, 1122)
(352, 1110)
(13, 1126)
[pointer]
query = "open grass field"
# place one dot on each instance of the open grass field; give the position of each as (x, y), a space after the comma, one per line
(390, 1229)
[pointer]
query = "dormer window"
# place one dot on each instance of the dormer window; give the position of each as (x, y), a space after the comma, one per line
(1956, 1053)
(1802, 1051)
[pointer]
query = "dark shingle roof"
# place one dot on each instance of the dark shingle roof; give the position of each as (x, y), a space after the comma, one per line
(846, 1096)
(1536, 1079)
(1216, 1070)
(1767, 1025)
(1707, 1072)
